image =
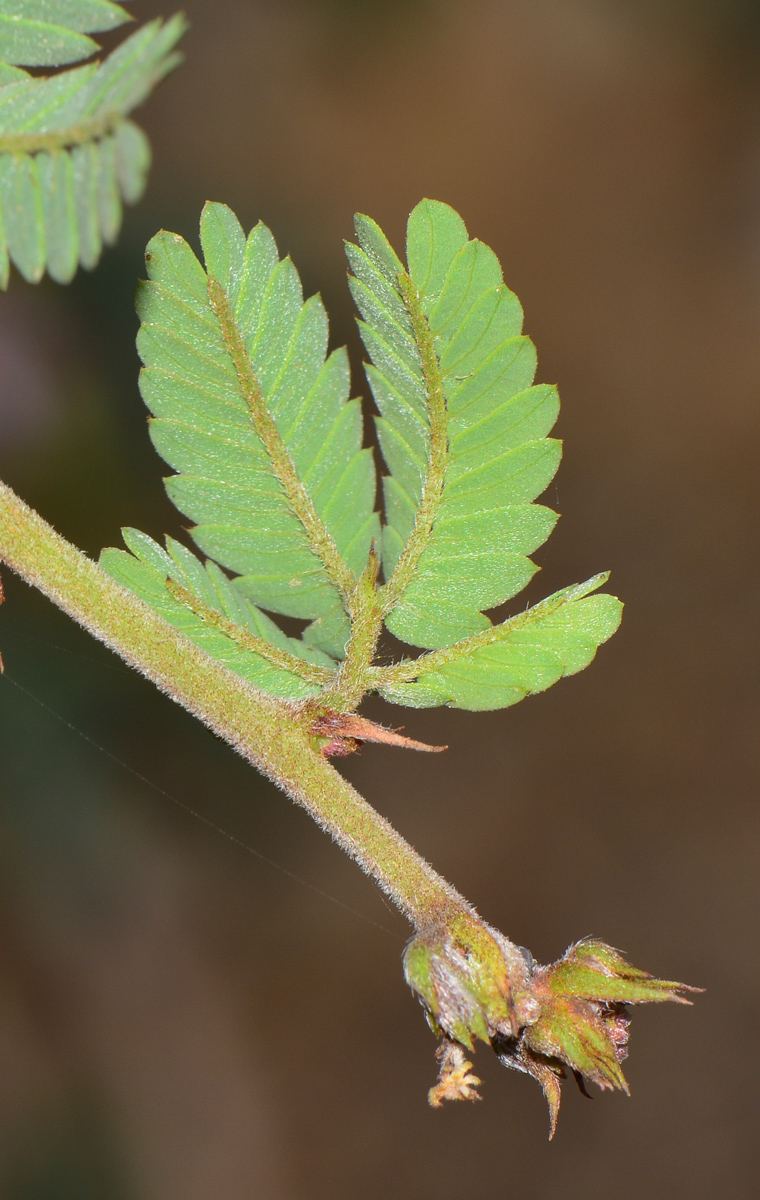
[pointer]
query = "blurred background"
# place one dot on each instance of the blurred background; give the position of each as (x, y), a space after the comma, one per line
(179, 1018)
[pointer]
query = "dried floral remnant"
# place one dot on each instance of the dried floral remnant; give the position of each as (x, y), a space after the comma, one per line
(454, 1079)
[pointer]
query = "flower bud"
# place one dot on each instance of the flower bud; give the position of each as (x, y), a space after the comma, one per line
(584, 1019)
(475, 984)
(470, 979)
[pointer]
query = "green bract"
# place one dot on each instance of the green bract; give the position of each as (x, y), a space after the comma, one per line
(255, 419)
(69, 155)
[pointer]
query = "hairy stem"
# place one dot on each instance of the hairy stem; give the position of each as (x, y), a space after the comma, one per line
(272, 735)
(353, 679)
(284, 468)
(432, 489)
(473, 982)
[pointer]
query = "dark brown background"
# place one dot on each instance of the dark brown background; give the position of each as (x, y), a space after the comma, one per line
(178, 1019)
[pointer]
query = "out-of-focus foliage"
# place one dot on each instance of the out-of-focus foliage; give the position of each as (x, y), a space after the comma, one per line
(51, 33)
(69, 155)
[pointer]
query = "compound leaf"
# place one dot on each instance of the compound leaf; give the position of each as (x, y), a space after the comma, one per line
(464, 432)
(69, 155)
(524, 655)
(255, 419)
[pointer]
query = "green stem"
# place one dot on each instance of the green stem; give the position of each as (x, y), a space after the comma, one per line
(282, 464)
(271, 734)
(312, 672)
(432, 490)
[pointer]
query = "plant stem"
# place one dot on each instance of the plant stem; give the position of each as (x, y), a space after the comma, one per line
(352, 681)
(273, 735)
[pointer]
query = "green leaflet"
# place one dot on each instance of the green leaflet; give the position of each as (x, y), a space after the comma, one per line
(526, 654)
(69, 155)
(145, 571)
(10, 74)
(50, 33)
(462, 428)
(256, 422)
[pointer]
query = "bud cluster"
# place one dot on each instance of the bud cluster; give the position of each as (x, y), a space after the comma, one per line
(572, 1015)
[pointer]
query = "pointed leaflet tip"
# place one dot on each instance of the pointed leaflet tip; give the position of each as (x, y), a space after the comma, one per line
(376, 246)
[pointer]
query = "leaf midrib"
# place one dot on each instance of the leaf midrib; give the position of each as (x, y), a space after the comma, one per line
(411, 669)
(391, 593)
(319, 539)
